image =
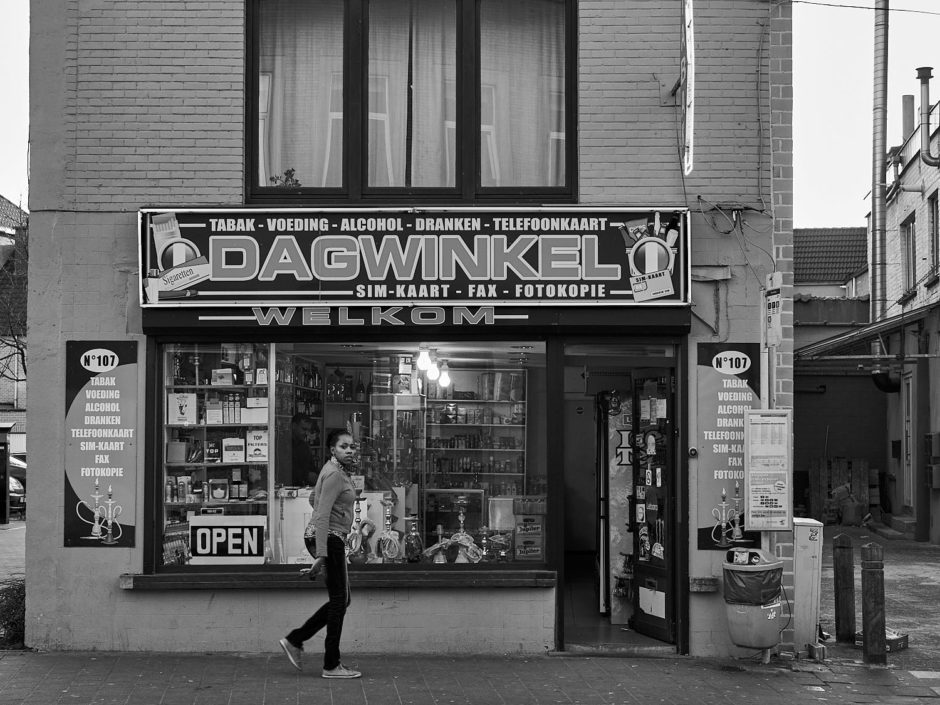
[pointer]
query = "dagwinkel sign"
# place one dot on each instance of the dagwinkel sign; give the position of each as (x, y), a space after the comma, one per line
(413, 257)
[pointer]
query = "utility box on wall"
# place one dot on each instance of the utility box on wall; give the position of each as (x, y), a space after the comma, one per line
(807, 576)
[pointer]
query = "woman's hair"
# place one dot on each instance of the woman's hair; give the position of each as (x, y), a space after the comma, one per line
(333, 438)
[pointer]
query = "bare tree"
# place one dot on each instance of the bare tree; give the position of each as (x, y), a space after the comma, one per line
(14, 257)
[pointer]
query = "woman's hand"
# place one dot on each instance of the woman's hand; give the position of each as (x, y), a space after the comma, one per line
(317, 567)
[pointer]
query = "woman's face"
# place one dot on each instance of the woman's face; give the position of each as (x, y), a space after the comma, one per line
(344, 450)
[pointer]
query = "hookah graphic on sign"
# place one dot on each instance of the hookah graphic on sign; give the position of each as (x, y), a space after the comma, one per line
(104, 524)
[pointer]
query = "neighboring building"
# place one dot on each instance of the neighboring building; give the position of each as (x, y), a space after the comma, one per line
(900, 347)
(14, 230)
(839, 413)
(251, 218)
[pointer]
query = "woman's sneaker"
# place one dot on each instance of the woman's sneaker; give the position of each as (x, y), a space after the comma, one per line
(294, 653)
(341, 672)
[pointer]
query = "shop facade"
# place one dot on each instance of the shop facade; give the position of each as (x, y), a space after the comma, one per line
(541, 341)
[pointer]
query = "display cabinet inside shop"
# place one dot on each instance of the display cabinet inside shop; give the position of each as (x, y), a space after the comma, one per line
(216, 438)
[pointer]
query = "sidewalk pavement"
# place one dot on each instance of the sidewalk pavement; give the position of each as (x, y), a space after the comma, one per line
(100, 678)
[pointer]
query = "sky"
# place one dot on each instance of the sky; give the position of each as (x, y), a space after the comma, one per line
(833, 60)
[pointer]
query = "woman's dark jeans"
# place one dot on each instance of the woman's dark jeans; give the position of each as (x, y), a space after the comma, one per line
(332, 613)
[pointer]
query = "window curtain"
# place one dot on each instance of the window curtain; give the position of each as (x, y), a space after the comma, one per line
(522, 69)
(410, 42)
(301, 55)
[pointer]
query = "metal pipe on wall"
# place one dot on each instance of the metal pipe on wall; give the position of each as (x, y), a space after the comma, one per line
(878, 172)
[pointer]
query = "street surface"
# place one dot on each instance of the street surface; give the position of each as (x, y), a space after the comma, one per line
(912, 577)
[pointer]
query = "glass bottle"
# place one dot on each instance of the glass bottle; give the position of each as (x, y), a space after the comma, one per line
(360, 389)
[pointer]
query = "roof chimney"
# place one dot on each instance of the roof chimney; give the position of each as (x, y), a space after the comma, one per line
(907, 117)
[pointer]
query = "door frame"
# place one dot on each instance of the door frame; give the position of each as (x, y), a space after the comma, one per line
(555, 364)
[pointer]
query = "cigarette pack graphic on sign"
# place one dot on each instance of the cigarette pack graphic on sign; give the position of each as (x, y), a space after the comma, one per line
(179, 264)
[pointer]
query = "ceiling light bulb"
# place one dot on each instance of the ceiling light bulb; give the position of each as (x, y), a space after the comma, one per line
(424, 359)
(433, 371)
(444, 381)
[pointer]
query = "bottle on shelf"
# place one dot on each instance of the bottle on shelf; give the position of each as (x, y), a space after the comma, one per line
(360, 390)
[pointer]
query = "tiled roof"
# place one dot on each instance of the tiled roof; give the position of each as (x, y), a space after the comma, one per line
(828, 255)
(11, 215)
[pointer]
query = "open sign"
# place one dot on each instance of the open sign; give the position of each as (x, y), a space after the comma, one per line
(226, 539)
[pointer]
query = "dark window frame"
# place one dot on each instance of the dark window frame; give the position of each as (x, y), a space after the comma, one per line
(467, 188)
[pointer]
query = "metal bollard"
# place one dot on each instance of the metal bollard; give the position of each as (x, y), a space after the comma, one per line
(874, 647)
(843, 565)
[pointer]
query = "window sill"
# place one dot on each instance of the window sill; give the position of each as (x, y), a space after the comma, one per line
(932, 280)
(907, 296)
(397, 579)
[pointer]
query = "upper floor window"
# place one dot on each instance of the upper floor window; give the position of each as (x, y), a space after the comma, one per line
(908, 254)
(453, 99)
(933, 231)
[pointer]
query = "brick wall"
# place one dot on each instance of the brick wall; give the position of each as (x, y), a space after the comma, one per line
(154, 104)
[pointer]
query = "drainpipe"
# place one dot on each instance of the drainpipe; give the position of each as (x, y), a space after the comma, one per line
(924, 75)
(878, 172)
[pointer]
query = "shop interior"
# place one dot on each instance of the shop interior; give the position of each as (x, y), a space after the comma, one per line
(451, 465)
(610, 544)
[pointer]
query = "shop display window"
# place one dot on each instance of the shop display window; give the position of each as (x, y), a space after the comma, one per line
(451, 438)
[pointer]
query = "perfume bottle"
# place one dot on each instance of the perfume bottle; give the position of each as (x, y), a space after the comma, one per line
(414, 546)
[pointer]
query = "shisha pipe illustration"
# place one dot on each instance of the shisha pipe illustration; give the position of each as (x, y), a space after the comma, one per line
(104, 517)
(727, 519)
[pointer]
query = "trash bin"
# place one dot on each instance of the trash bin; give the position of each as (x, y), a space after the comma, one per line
(752, 597)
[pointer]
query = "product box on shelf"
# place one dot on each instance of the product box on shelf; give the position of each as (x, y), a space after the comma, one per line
(213, 451)
(530, 548)
(218, 489)
(213, 411)
(181, 408)
(257, 445)
(223, 376)
(177, 451)
(254, 414)
(528, 525)
(233, 450)
(529, 504)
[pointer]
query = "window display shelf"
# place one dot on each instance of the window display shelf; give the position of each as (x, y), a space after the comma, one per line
(479, 472)
(433, 449)
(213, 464)
(217, 386)
(194, 426)
(438, 400)
(476, 425)
(228, 503)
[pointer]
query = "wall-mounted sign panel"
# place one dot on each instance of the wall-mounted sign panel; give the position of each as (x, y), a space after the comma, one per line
(768, 470)
(729, 377)
(252, 258)
(100, 443)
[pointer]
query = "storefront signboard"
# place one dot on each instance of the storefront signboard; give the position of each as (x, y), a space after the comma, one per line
(100, 442)
(728, 387)
(280, 265)
(768, 471)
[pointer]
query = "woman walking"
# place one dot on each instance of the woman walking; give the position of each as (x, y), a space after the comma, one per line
(325, 536)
